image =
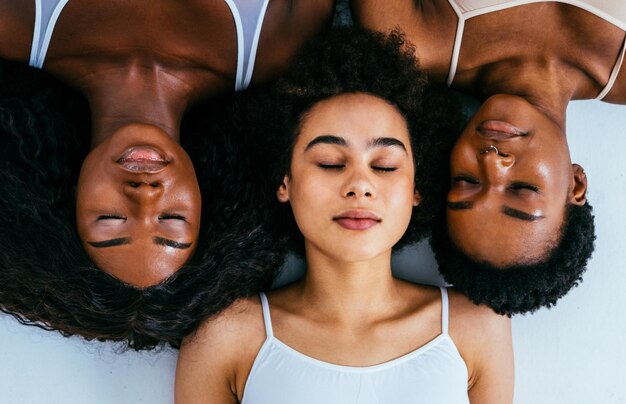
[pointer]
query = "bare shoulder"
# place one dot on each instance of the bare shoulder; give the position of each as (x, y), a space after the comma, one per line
(216, 359)
(472, 324)
(17, 19)
(484, 340)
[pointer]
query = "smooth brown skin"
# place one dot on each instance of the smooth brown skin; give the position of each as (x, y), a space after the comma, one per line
(566, 53)
(348, 298)
(140, 67)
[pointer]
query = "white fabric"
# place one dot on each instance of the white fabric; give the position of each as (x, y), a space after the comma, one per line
(248, 16)
(432, 374)
(46, 14)
(612, 11)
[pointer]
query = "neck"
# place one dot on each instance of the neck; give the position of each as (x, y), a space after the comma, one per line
(550, 93)
(349, 291)
(135, 95)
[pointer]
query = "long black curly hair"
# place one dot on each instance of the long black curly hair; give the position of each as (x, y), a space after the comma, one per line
(46, 277)
(355, 60)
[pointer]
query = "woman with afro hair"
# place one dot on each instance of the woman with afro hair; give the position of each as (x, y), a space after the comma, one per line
(362, 132)
(518, 229)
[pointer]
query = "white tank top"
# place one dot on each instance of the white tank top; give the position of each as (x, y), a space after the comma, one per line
(248, 16)
(432, 374)
(612, 11)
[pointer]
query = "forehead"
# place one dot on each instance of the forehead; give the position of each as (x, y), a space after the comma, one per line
(490, 235)
(354, 116)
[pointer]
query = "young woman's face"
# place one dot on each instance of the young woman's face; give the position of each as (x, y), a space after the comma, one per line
(351, 181)
(512, 178)
(138, 205)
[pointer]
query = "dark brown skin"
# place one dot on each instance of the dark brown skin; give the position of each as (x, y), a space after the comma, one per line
(141, 66)
(543, 55)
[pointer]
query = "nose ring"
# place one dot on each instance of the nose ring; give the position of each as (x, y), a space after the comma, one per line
(495, 149)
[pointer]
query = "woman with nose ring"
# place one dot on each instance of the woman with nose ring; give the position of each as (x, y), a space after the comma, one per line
(360, 137)
(516, 236)
(137, 202)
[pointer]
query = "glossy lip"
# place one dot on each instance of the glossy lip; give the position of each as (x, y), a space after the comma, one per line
(357, 219)
(143, 159)
(499, 130)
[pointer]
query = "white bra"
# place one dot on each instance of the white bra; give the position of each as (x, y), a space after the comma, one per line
(432, 374)
(248, 16)
(612, 11)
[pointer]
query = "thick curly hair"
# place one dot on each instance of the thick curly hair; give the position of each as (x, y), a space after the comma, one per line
(354, 60)
(47, 279)
(524, 287)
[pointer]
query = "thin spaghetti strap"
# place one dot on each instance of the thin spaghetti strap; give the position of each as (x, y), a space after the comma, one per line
(266, 315)
(444, 310)
(614, 73)
(458, 38)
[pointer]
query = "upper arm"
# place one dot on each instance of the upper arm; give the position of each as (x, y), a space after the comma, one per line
(17, 19)
(203, 373)
(493, 377)
(214, 363)
(485, 343)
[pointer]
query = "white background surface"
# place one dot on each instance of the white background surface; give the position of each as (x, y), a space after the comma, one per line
(572, 354)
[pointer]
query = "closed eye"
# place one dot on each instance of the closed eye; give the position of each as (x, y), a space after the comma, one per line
(169, 216)
(522, 185)
(110, 217)
(384, 169)
(331, 166)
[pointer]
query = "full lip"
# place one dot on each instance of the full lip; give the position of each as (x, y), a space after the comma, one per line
(499, 130)
(357, 219)
(143, 160)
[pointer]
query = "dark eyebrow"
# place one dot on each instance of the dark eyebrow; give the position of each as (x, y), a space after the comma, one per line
(171, 243)
(387, 142)
(518, 214)
(327, 139)
(114, 242)
(460, 205)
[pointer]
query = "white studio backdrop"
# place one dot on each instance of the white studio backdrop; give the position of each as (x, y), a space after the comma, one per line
(571, 354)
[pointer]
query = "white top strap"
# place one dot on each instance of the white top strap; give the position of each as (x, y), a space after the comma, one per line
(248, 16)
(614, 74)
(46, 14)
(456, 50)
(444, 310)
(266, 315)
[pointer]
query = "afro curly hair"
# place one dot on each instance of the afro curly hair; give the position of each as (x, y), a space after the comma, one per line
(523, 287)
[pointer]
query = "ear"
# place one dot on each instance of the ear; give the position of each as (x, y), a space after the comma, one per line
(417, 198)
(283, 191)
(579, 188)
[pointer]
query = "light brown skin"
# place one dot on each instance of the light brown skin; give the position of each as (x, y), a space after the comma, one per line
(348, 298)
(140, 67)
(543, 55)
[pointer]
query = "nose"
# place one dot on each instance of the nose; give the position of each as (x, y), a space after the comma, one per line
(143, 192)
(358, 185)
(495, 162)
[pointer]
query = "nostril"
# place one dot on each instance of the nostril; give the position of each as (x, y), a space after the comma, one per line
(154, 184)
(134, 184)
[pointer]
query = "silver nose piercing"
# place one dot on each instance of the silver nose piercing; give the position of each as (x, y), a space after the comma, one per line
(495, 149)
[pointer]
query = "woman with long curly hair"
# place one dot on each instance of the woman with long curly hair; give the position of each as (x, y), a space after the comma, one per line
(140, 66)
(361, 126)
(106, 234)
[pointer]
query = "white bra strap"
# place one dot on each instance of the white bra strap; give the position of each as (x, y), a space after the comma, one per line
(46, 14)
(456, 50)
(614, 74)
(248, 16)
(444, 310)
(266, 315)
